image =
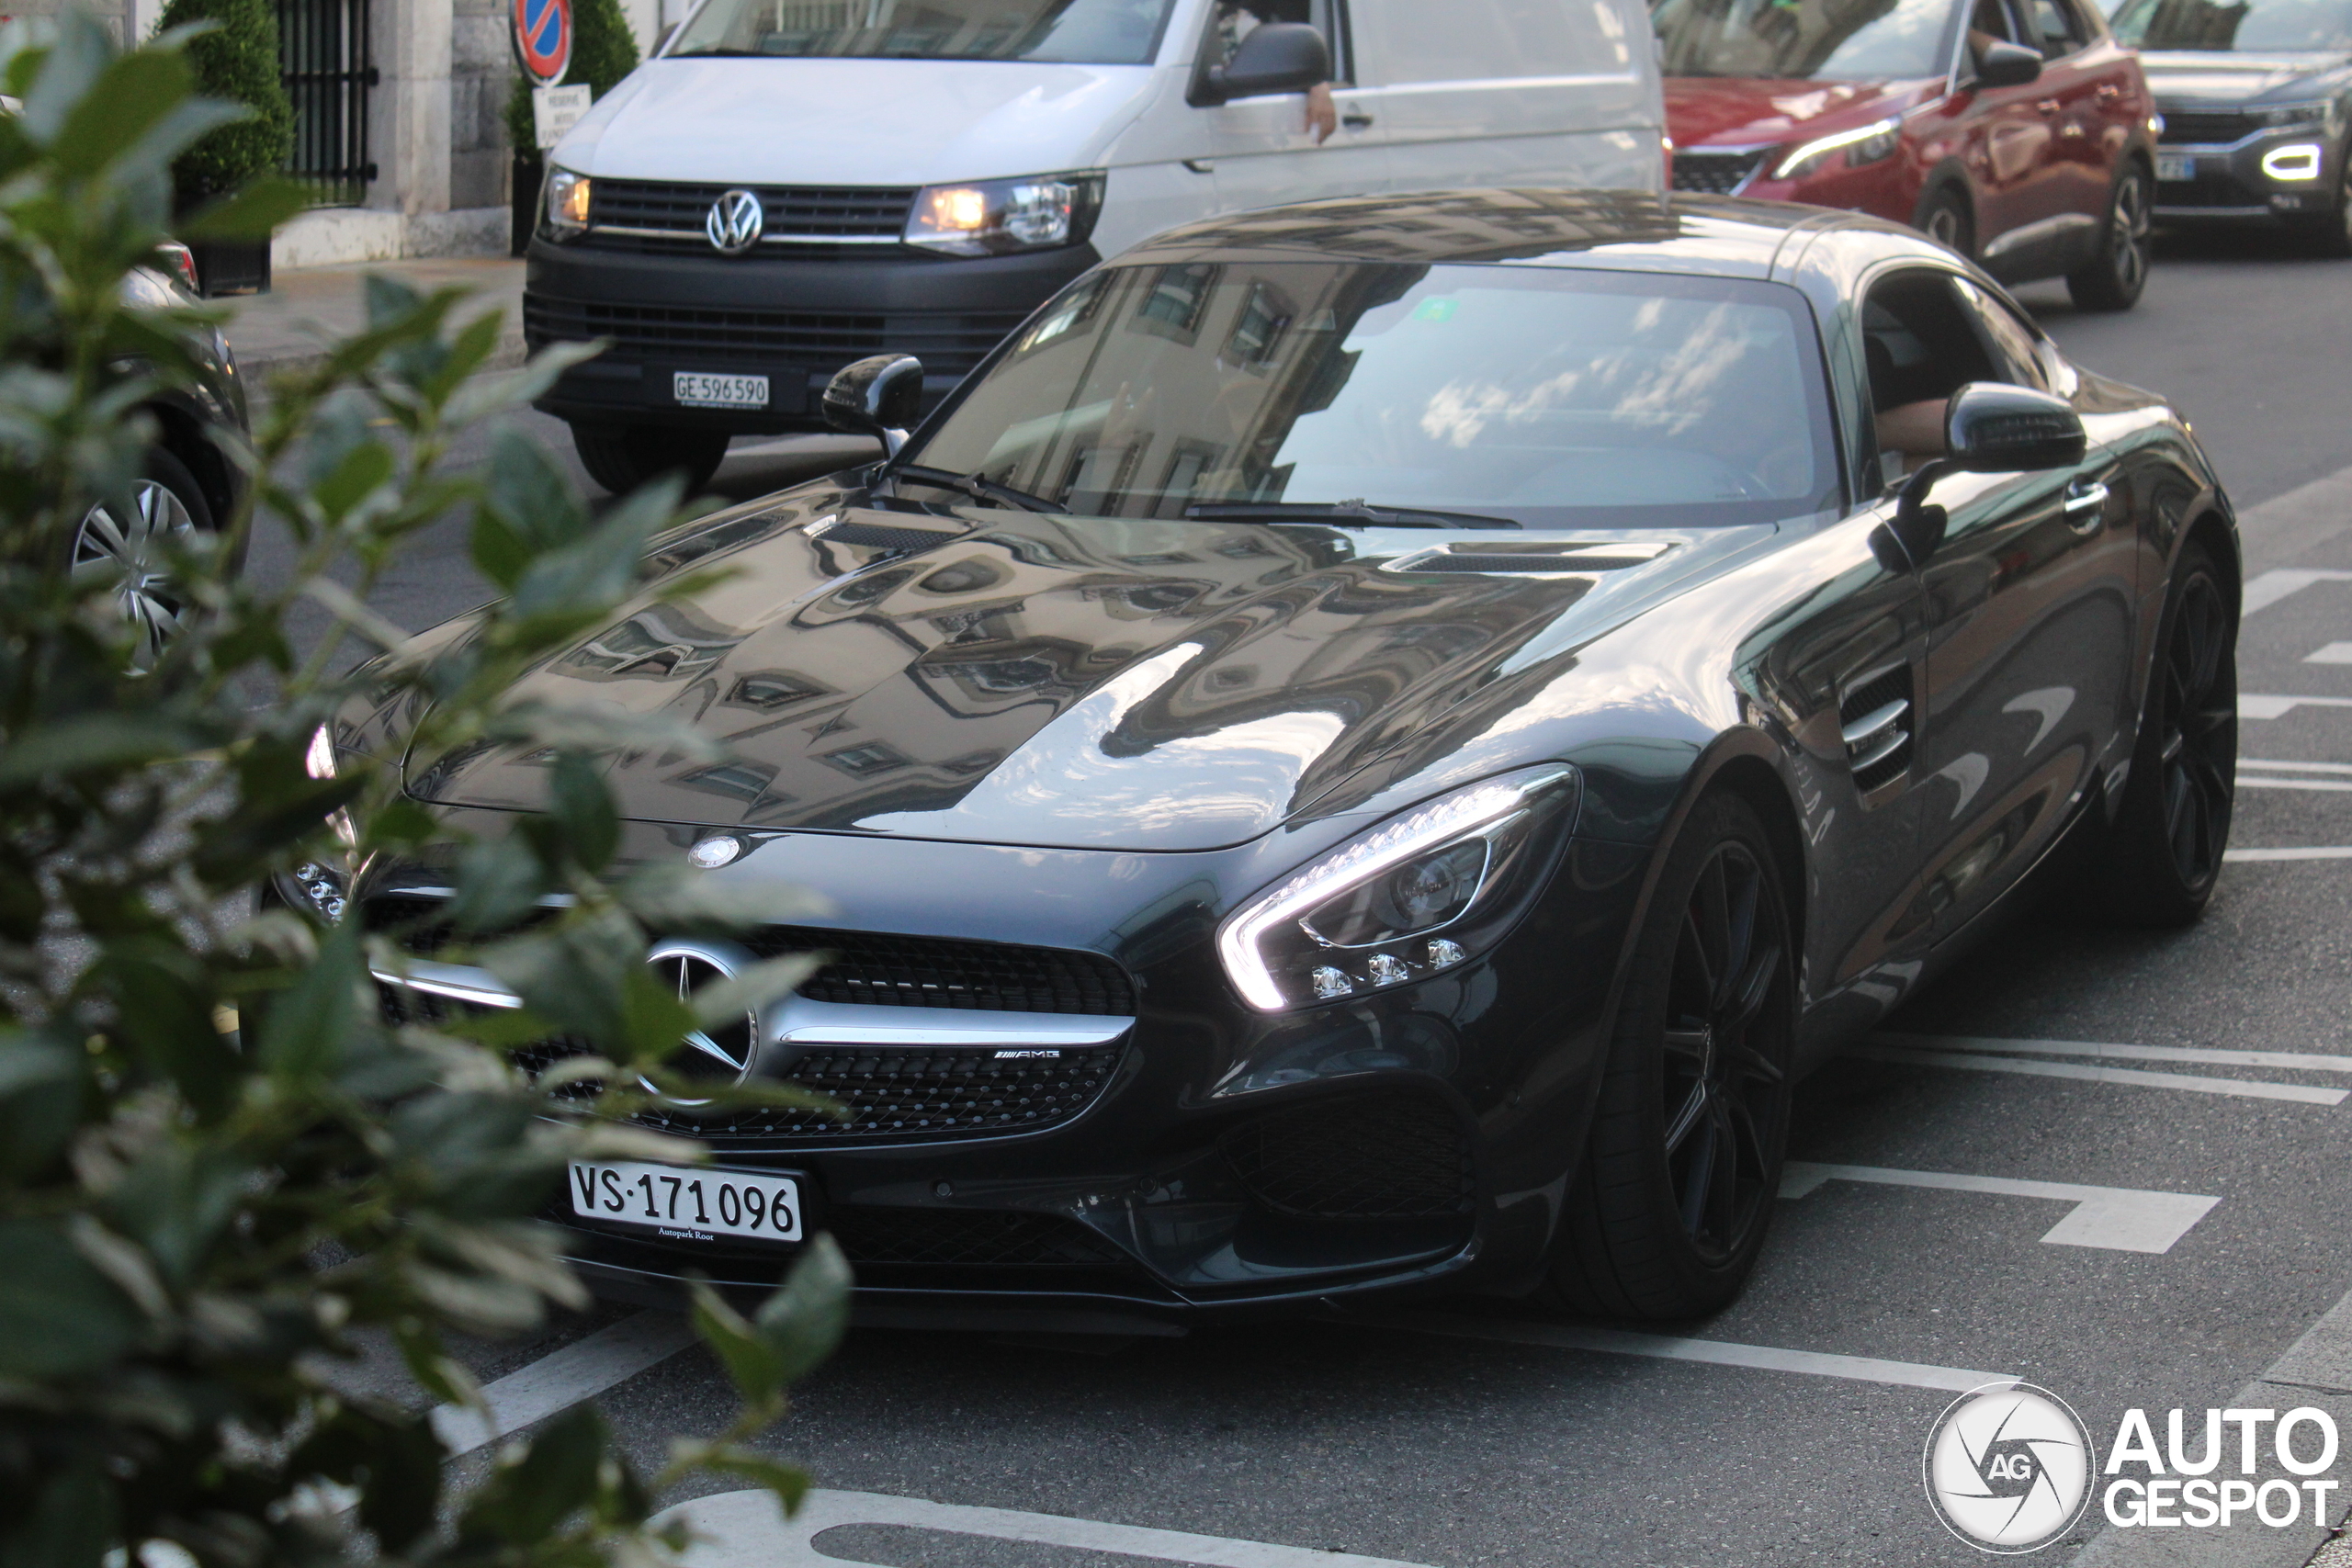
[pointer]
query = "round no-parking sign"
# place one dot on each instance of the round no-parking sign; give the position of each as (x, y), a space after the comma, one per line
(543, 39)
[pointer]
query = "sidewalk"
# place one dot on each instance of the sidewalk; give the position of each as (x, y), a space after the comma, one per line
(307, 305)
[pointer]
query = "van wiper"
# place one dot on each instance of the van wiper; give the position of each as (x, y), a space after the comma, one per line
(974, 486)
(1355, 514)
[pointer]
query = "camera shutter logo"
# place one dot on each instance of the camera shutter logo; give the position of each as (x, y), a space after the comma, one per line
(2008, 1468)
(735, 221)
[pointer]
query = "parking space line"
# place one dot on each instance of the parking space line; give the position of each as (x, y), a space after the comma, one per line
(2117, 1219)
(2330, 653)
(554, 1383)
(2308, 851)
(2263, 705)
(2272, 586)
(2259, 781)
(2296, 767)
(2241, 1088)
(747, 1529)
(1718, 1353)
(2296, 1061)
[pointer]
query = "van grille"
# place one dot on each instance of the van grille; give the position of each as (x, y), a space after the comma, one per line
(948, 344)
(797, 220)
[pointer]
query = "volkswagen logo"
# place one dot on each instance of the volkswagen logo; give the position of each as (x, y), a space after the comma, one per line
(734, 223)
(722, 1053)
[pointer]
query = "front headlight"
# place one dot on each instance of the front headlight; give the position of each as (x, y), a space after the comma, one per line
(1863, 144)
(318, 889)
(567, 204)
(991, 218)
(1416, 896)
(2288, 117)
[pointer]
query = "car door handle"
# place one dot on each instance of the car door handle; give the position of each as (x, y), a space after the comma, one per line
(2107, 93)
(2085, 506)
(2047, 106)
(1355, 121)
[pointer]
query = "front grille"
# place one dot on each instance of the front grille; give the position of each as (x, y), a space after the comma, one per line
(1392, 1154)
(1715, 173)
(810, 219)
(971, 1238)
(897, 1095)
(948, 344)
(2205, 128)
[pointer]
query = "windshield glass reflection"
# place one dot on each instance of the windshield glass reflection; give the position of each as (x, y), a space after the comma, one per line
(1817, 41)
(2253, 27)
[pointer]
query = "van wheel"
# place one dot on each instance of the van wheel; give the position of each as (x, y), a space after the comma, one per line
(2120, 271)
(1945, 219)
(1669, 1208)
(2161, 857)
(622, 458)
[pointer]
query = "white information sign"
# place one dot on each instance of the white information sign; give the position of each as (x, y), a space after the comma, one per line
(555, 110)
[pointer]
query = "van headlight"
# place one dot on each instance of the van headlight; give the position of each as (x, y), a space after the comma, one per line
(1864, 145)
(567, 204)
(1416, 896)
(989, 218)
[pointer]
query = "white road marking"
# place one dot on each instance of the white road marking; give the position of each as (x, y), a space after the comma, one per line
(581, 1369)
(1718, 1352)
(2259, 781)
(2256, 705)
(2272, 586)
(748, 1530)
(2333, 653)
(2306, 852)
(2241, 1088)
(2119, 1219)
(2296, 767)
(2300, 1061)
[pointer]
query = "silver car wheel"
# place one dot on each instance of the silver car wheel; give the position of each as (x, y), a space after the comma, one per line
(134, 549)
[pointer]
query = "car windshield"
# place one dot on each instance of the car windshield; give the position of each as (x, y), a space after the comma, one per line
(1548, 397)
(1089, 32)
(1821, 41)
(2253, 27)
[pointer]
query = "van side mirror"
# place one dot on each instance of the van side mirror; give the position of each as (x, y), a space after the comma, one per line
(2006, 64)
(880, 396)
(1993, 428)
(1277, 57)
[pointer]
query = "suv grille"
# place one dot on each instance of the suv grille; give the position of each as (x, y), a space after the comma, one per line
(968, 1238)
(2205, 128)
(1715, 173)
(820, 340)
(1393, 1154)
(797, 220)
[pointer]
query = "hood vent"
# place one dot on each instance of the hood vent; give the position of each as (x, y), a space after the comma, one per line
(1517, 559)
(882, 536)
(1875, 723)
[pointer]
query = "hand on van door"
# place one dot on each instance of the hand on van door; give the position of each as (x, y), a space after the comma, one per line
(1236, 19)
(1322, 117)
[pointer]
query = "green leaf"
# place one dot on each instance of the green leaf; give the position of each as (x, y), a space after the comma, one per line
(751, 1362)
(91, 742)
(804, 1321)
(254, 213)
(582, 807)
(160, 1010)
(526, 1499)
(392, 1456)
(788, 1483)
(309, 1025)
(60, 1317)
(73, 1523)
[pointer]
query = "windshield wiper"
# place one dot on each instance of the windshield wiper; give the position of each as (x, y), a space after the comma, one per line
(1355, 514)
(973, 485)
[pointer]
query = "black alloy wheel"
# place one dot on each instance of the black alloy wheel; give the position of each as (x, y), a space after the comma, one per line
(2116, 276)
(2164, 854)
(1683, 1163)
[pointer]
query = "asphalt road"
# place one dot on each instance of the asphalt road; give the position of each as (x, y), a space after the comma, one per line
(1396, 1443)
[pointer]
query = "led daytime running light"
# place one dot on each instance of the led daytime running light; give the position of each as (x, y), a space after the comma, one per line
(1826, 145)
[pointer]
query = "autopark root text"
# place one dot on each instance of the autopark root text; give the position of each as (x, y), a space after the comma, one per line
(2181, 1489)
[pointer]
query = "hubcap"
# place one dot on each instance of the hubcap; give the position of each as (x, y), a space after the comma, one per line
(2199, 733)
(2132, 225)
(1943, 227)
(1726, 1088)
(133, 549)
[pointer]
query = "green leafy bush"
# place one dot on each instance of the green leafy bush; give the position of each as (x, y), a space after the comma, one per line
(603, 51)
(220, 1172)
(235, 61)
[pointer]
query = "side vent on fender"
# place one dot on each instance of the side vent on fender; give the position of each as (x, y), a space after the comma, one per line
(1875, 722)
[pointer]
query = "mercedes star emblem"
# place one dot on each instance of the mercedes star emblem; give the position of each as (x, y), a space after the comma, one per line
(713, 852)
(734, 223)
(720, 1053)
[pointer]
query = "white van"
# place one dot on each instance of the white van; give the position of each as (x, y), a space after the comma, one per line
(790, 185)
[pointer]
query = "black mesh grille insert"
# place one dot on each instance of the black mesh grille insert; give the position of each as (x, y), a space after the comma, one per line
(1715, 174)
(935, 972)
(895, 1094)
(882, 536)
(1385, 1156)
(2205, 126)
(948, 344)
(967, 1237)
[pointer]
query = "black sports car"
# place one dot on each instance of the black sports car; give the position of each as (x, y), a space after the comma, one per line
(1368, 745)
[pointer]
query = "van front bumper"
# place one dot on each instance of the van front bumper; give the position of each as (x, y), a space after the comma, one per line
(793, 320)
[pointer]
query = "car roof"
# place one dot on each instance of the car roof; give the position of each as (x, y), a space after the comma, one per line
(1634, 230)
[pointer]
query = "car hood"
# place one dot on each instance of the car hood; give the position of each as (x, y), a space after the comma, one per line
(854, 123)
(1075, 682)
(1738, 111)
(2186, 77)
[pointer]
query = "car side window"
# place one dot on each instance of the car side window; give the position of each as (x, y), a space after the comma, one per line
(2015, 348)
(1990, 22)
(2057, 28)
(1922, 346)
(1230, 21)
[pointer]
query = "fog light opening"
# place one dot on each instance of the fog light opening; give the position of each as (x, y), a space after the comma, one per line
(2298, 161)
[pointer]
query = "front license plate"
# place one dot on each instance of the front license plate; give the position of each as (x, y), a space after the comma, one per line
(699, 389)
(685, 1204)
(2175, 166)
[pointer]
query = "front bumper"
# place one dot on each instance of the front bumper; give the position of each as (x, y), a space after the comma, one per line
(2228, 182)
(795, 320)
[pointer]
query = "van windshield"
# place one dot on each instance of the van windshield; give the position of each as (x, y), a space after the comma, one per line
(1548, 397)
(1074, 32)
(1816, 40)
(2261, 27)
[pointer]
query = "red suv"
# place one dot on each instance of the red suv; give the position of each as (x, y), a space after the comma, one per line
(2015, 131)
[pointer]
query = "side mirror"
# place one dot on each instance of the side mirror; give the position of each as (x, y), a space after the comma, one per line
(879, 397)
(1992, 428)
(1277, 57)
(2005, 65)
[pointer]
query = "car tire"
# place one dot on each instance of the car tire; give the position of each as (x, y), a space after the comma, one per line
(2115, 277)
(1669, 1207)
(2330, 236)
(622, 458)
(166, 499)
(1945, 217)
(2158, 861)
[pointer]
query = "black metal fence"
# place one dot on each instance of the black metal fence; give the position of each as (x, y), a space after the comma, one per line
(324, 58)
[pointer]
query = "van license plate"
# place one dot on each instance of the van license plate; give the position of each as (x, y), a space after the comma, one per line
(698, 389)
(2172, 167)
(687, 1202)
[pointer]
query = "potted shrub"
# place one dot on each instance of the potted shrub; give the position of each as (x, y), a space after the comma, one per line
(236, 60)
(603, 51)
